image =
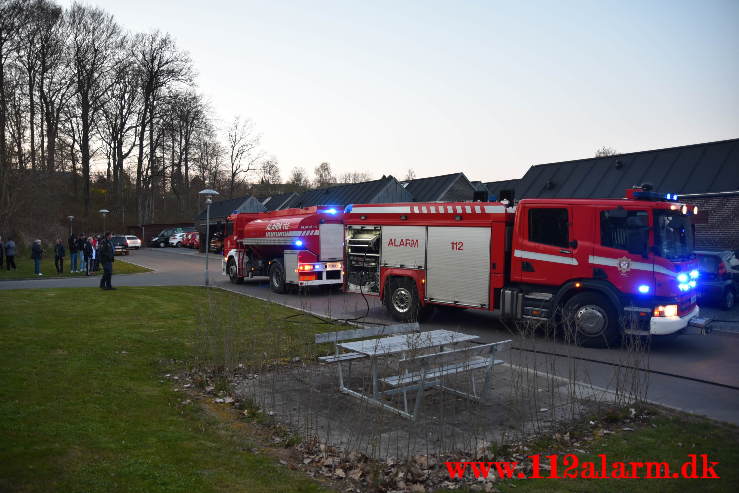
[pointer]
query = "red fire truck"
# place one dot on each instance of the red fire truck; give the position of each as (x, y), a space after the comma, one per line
(595, 263)
(299, 247)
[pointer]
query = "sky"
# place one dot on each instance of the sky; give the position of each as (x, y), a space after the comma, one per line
(488, 88)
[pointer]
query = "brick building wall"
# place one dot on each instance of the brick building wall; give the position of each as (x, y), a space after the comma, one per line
(717, 224)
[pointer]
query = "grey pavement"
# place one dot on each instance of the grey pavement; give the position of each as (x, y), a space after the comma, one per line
(684, 364)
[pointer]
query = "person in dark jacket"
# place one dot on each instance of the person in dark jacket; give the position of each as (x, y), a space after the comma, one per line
(82, 249)
(59, 256)
(107, 257)
(2, 252)
(36, 254)
(89, 256)
(72, 245)
(10, 253)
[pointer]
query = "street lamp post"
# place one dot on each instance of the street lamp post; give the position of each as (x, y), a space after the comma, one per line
(105, 213)
(71, 218)
(208, 194)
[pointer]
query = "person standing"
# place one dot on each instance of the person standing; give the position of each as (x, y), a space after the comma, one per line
(59, 256)
(72, 245)
(2, 252)
(10, 253)
(36, 254)
(82, 248)
(89, 256)
(107, 257)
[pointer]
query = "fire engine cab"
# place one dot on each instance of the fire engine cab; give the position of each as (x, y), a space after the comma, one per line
(601, 267)
(299, 247)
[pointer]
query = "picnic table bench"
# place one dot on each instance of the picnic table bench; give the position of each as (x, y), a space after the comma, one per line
(419, 369)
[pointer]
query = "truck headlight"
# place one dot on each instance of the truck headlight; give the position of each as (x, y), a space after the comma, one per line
(666, 311)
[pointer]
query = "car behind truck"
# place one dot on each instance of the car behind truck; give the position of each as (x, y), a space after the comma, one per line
(601, 267)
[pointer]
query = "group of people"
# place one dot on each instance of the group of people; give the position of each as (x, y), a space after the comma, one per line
(84, 252)
(7, 253)
(87, 254)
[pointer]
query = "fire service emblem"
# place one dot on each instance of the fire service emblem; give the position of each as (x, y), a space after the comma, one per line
(624, 266)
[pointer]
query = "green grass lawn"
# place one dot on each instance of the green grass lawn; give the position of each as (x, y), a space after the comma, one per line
(84, 407)
(24, 269)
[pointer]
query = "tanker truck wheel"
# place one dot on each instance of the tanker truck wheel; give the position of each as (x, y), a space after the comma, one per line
(233, 272)
(277, 277)
(593, 321)
(401, 300)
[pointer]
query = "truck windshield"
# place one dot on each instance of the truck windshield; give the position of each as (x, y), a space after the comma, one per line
(673, 235)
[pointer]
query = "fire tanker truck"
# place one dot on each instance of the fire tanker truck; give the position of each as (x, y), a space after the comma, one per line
(604, 267)
(294, 247)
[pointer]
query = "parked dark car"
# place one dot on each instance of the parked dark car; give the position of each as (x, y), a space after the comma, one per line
(718, 277)
(162, 239)
(120, 245)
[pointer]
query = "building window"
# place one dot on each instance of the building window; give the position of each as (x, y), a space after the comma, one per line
(549, 226)
(617, 225)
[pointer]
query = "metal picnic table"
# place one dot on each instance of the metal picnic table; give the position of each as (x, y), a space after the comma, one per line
(397, 344)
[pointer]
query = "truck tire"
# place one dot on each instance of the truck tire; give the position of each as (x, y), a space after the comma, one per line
(592, 319)
(233, 272)
(401, 300)
(277, 277)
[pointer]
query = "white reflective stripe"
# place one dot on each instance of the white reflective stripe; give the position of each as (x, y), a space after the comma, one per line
(382, 210)
(424, 209)
(477, 209)
(545, 257)
(433, 209)
(449, 209)
(267, 241)
(495, 208)
(459, 209)
(613, 262)
(467, 209)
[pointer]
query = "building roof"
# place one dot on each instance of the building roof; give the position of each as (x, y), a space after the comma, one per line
(386, 189)
(434, 188)
(224, 208)
(697, 168)
(495, 187)
(280, 201)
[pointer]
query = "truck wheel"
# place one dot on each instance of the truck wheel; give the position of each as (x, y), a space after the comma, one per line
(277, 277)
(592, 319)
(401, 300)
(233, 272)
(729, 299)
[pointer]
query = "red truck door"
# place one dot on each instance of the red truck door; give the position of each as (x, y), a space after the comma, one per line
(621, 253)
(544, 249)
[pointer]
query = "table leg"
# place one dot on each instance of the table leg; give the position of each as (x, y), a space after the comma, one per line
(374, 377)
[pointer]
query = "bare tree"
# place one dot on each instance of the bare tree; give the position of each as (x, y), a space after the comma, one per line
(243, 154)
(605, 151)
(355, 177)
(95, 38)
(323, 175)
(11, 21)
(299, 178)
(410, 175)
(159, 64)
(119, 121)
(55, 78)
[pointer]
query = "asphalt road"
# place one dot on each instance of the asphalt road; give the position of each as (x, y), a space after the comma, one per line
(699, 359)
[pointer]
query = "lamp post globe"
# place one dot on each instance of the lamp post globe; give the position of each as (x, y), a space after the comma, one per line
(71, 218)
(105, 213)
(208, 194)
